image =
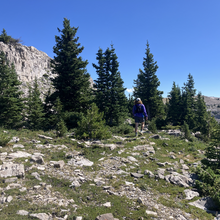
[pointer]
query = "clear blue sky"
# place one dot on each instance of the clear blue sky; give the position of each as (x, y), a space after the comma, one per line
(184, 35)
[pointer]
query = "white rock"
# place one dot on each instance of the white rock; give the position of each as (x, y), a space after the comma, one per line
(41, 216)
(84, 162)
(190, 194)
(9, 199)
(18, 146)
(151, 213)
(107, 204)
(10, 169)
(132, 159)
(22, 212)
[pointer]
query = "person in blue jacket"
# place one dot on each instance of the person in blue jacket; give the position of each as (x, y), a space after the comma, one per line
(140, 114)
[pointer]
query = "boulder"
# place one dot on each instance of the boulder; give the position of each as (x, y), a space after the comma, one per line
(107, 216)
(41, 216)
(206, 204)
(179, 179)
(190, 194)
(10, 169)
(37, 159)
(19, 154)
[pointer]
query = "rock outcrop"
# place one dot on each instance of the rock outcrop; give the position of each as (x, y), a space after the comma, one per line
(30, 63)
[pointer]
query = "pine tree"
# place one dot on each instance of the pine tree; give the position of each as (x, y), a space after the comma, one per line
(8, 39)
(174, 105)
(72, 81)
(146, 86)
(11, 103)
(35, 108)
(100, 86)
(188, 102)
(109, 94)
(61, 128)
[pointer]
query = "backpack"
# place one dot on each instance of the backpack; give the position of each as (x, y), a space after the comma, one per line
(139, 109)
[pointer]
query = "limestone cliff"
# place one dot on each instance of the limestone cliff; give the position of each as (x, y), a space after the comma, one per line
(30, 63)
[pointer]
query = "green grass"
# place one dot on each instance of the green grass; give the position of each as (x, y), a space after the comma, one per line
(89, 198)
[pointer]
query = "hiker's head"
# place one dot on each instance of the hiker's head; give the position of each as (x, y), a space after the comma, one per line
(138, 101)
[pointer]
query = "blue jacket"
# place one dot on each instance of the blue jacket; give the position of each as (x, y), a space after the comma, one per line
(139, 114)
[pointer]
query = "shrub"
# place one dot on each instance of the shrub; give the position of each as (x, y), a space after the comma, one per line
(92, 126)
(61, 128)
(152, 126)
(122, 129)
(186, 131)
(4, 138)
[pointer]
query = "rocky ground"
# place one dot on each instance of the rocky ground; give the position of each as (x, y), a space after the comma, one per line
(148, 177)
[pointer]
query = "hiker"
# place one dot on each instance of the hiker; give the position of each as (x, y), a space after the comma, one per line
(139, 113)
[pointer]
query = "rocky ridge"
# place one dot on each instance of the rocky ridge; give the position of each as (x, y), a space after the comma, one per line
(67, 177)
(30, 63)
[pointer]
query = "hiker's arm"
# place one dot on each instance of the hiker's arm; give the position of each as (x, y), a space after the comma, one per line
(145, 112)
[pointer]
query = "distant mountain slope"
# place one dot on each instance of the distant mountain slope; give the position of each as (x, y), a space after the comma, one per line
(212, 103)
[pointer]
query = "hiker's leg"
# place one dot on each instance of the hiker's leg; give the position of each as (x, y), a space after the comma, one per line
(142, 126)
(136, 127)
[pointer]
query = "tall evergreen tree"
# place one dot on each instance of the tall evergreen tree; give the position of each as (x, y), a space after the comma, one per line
(35, 108)
(205, 123)
(100, 86)
(188, 104)
(109, 94)
(11, 103)
(146, 86)
(174, 105)
(72, 81)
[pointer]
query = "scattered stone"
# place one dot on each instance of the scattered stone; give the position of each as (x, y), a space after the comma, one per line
(181, 161)
(137, 175)
(10, 169)
(13, 186)
(37, 159)
(163, 164)
(14, 139)
(176, 133)
(19, 154)
(110, 146)
(190, 194)
(107, 216)
(41, 216)
(75, 184)
(10, 180)
(9, 199)
(155, 136)
(172, 157)
(45, 137)
(151, 213)
(206, 204)
(22, 212)
(58, 164)
(179, 180)
(149, 173)
(36, 175)
(185, 167)
(132, 159)
(107, 204)
(80, 162)
(18, 146)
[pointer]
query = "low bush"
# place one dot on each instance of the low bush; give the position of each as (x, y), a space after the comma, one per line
(122, 129)
(4, 138)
